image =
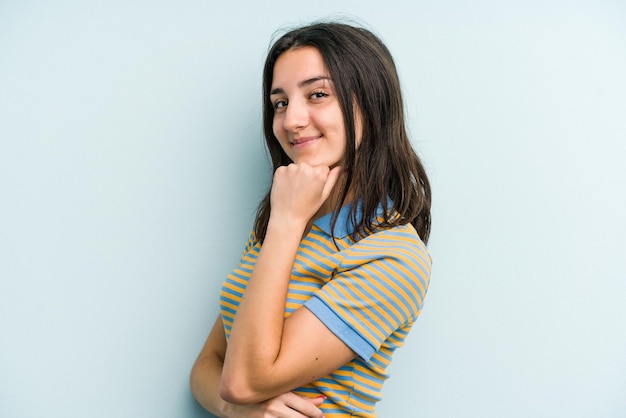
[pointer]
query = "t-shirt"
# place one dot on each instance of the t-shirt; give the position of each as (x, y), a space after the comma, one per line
(368, 292)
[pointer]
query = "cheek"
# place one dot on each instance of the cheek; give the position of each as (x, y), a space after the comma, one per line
(280, 133)
(277, 128)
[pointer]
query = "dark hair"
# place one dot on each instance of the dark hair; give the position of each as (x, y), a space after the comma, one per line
(384, 165)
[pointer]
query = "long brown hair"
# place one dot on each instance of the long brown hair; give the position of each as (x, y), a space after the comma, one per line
(384, 166)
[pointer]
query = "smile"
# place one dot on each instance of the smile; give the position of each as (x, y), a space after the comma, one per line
(305, 141)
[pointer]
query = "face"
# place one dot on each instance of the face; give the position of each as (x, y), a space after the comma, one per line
(308, 120)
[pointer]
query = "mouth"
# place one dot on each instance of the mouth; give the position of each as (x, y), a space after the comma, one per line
(304, 141)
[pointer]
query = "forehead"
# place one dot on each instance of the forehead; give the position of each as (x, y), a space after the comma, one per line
(299, 64)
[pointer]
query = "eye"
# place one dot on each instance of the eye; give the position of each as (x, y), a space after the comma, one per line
(318, 95)
(279, 104)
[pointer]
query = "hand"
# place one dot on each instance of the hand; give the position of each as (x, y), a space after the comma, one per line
(299, 190)
(287, 405)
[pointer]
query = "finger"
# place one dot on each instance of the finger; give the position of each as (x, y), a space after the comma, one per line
(317, 401)
(309, 411)
(306, 406)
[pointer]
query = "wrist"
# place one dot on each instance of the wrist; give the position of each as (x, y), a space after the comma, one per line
(285, 225)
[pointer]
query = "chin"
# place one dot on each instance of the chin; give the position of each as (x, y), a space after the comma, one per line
(316, 162)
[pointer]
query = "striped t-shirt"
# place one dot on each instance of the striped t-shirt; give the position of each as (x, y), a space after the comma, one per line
(367, 292)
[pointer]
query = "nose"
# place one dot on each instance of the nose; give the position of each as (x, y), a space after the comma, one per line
(296, 116)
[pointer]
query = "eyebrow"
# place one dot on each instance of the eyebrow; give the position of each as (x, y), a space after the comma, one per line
(301, 84)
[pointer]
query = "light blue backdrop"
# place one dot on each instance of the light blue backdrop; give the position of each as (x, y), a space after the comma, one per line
(131, 162)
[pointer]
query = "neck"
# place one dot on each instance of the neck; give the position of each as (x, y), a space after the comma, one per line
(330, 203)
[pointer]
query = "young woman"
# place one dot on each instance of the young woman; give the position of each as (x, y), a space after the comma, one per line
(335, 271)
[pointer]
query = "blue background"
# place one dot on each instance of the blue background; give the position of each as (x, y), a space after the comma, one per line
(131, 163)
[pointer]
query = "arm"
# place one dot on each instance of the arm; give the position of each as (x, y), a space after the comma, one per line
(206, 375)
(207, 370)
(266, 354)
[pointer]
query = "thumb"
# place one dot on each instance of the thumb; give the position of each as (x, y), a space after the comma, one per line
(318, 401)
(331, 180)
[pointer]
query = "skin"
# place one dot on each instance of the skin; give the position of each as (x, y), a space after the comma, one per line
(308, 121)
(266, 355)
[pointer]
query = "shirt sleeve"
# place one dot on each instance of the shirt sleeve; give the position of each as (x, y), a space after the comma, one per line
(378, 288)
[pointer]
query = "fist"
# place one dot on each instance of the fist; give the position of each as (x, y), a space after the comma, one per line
(299, 190)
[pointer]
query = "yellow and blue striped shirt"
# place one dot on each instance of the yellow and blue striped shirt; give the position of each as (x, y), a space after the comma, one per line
(368, 292)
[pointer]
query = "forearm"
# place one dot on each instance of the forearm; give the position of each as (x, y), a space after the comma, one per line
(259, 363)
(205, 381)
(256, 335)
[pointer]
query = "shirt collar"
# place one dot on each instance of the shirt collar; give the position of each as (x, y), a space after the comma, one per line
(344, 225)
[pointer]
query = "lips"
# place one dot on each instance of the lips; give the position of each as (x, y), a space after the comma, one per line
(304, 141)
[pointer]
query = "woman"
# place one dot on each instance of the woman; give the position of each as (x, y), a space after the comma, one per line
(335, 271)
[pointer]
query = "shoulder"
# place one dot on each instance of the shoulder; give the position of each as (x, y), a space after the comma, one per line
(251, 241)
(395, 255)
(401, 243)
(251, 249)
